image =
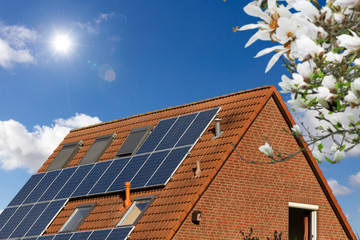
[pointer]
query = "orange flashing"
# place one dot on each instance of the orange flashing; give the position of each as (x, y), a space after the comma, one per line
(127, 202)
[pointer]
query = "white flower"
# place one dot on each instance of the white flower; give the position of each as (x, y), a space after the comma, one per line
(338, 156)
(351, 43)
(280, 49)
(334, 147)
(351, 99)
(350, 117)
(287, 85)
(346, 3)
(329, 82)
(307, 9)
(297, 102)
(296, 129)
(304, 69)
(357, 62)
(333, 57)
(305, 48)
(355, 86)
(317, 155)
(324, 96)
(286, 30)
(267, 149)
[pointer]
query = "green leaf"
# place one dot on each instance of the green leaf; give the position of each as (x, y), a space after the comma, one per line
(327, 159)
(342, 147)
(320, 147)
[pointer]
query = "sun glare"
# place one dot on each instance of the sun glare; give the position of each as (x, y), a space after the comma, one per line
(62, 43)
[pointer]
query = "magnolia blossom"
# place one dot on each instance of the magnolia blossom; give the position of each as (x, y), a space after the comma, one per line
(307, 48)
(305, 69)
(324, 96)
(297, 102)
(329, 82)
(351, 99)
(350, 116)
(355, 86)
(296, 130)
(333, 57)
(346, 3)
(351, 43)
(317, 155)
(267, 149)
(357, 62)
(338, 156)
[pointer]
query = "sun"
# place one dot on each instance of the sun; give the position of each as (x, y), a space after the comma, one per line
(62, 43)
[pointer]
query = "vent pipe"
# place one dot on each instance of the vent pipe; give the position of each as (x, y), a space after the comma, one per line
(218, 131)
(127, 202)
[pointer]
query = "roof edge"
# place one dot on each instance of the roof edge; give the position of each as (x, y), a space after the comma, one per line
(316, 169)
(175, 107)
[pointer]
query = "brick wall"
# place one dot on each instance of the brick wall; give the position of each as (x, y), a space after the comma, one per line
(244, 196)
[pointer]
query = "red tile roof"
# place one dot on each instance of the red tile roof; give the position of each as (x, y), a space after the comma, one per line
(174, 201)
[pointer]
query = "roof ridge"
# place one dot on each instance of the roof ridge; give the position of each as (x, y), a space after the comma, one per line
(175, 107)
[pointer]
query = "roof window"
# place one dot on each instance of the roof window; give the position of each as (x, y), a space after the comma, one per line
(133, 142)
(77, 217)
(135, 211)
(97, 149)
(65, 155)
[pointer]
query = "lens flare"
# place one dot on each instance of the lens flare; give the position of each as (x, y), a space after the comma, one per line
(62, 43)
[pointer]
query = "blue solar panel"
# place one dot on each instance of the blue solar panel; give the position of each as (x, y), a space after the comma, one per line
(156, 135)
(65, 236)
(33, 238)
(46, 217)
(46, 237)
(6, 215)
(26, 189)
(145, 173)
(177, 130)
(74, 181)
(128, 173)
(168, 167)
(14, 221)
(109, 176)
(29, 220)
(80, 235)
(41, 187)
(119, 233)
(197, 127)
(59, 182)
(91, 179)
(100, 234)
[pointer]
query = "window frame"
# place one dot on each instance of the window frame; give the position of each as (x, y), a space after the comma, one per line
(76, 227)
(76, 147)
(150, 199)
(313, 216)
(110, 137)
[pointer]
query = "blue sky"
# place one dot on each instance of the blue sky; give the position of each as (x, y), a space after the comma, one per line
(126, 58)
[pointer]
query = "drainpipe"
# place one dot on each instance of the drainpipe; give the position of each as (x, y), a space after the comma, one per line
(127, 202)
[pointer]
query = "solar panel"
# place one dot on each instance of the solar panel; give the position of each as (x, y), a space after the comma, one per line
(197, 127)
(119, 233)
(177, 130)
(59, 182)
(29, 220)
(74, 181)
(128, 173)
(144, 174)
(156, 136)
(100, 234)
(41, 187)
(33, 238)
(26, 189)
(6, 215)
(80, 235)
(168, 167)
(65, 236)
(46, 237)
(91, 179)
(46, 217)
(14, 221)
(109, 176)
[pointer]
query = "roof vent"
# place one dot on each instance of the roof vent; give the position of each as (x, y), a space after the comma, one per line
(218, 131)
(127, 202)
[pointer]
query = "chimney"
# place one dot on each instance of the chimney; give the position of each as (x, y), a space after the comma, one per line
(218, 131)
(127, 202)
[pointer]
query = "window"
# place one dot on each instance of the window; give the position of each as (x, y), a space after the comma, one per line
(97, 149)
(135, 211)
(133, 142)
(302, 221)
(77, 217)
(65, 155)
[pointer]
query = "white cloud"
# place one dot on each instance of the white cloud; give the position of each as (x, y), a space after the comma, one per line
(338, 189)
(93, 26)
(355, 179)
(20, 148)
(13, 45)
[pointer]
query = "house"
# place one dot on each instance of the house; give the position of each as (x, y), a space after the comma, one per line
(179, 173)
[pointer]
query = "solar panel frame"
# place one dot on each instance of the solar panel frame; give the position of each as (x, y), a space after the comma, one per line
(91, 178)
(109, 176)
(63, 236)
(76, 179)
(120, 233)
(26, 189)
(41, 188)
(27, 222)
(46, 237)
(58, 184)
(99, 234)
(80, 235)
